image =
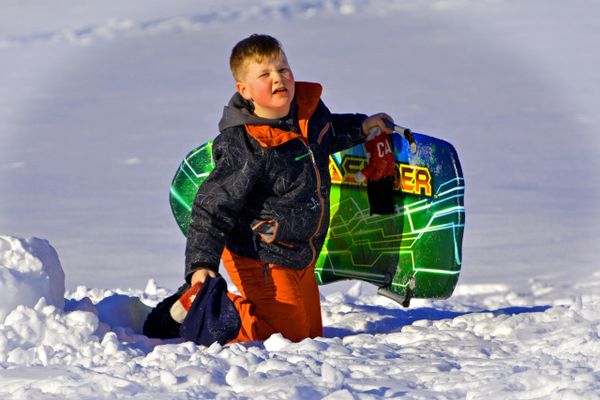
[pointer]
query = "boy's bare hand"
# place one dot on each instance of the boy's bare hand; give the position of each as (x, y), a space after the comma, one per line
(201, 275)
(376, 120)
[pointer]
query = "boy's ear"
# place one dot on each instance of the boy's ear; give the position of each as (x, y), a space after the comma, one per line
(242, 89)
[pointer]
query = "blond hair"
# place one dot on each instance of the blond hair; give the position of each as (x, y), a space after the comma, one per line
(256, 47)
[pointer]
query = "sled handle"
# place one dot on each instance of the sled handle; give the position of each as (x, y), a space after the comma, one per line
(406, 133)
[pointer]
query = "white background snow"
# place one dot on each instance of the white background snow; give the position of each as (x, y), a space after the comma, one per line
(100, 100)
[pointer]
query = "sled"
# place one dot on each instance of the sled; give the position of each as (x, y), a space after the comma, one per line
(415, 252)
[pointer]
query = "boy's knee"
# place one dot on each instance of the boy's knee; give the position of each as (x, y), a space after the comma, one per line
(292, 321)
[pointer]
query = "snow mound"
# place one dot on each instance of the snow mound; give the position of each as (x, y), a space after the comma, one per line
(29, 270)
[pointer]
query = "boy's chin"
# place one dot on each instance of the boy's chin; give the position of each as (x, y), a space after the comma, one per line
(281, 104)
(273, 112)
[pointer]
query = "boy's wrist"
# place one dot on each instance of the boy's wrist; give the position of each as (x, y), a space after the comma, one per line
(194, 267)
(376, 121)
(200, 275)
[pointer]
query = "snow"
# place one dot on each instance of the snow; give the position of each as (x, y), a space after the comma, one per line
(29, 269)
(488, 341)
(100, 100)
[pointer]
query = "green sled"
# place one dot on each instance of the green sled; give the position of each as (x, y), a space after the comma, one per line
(413, 253)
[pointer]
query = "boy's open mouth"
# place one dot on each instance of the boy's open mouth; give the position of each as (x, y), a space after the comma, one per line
(281, 90)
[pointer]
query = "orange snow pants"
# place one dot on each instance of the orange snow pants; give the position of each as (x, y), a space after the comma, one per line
(274, 299)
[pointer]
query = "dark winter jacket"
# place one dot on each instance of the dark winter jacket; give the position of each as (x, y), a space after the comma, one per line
(268, 196)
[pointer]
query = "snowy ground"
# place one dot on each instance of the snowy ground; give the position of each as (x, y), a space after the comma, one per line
(100, 101)
(487, 342)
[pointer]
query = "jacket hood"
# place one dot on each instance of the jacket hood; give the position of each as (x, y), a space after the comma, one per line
(239, 111)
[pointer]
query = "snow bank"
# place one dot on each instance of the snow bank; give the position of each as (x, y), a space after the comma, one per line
(29, 270)
(112, 28)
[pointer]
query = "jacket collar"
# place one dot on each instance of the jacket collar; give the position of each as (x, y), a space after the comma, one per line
(273, 132)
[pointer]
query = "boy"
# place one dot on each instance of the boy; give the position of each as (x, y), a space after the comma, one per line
(264, 210)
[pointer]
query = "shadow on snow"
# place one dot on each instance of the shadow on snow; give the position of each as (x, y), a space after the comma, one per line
(392, 320)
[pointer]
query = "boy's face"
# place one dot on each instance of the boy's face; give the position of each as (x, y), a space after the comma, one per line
(269, 85)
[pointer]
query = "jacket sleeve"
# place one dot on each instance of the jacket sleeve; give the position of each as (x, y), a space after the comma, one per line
(347, 131)
(220, 200)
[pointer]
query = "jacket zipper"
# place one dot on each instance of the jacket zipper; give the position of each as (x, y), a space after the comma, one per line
(321, 200)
